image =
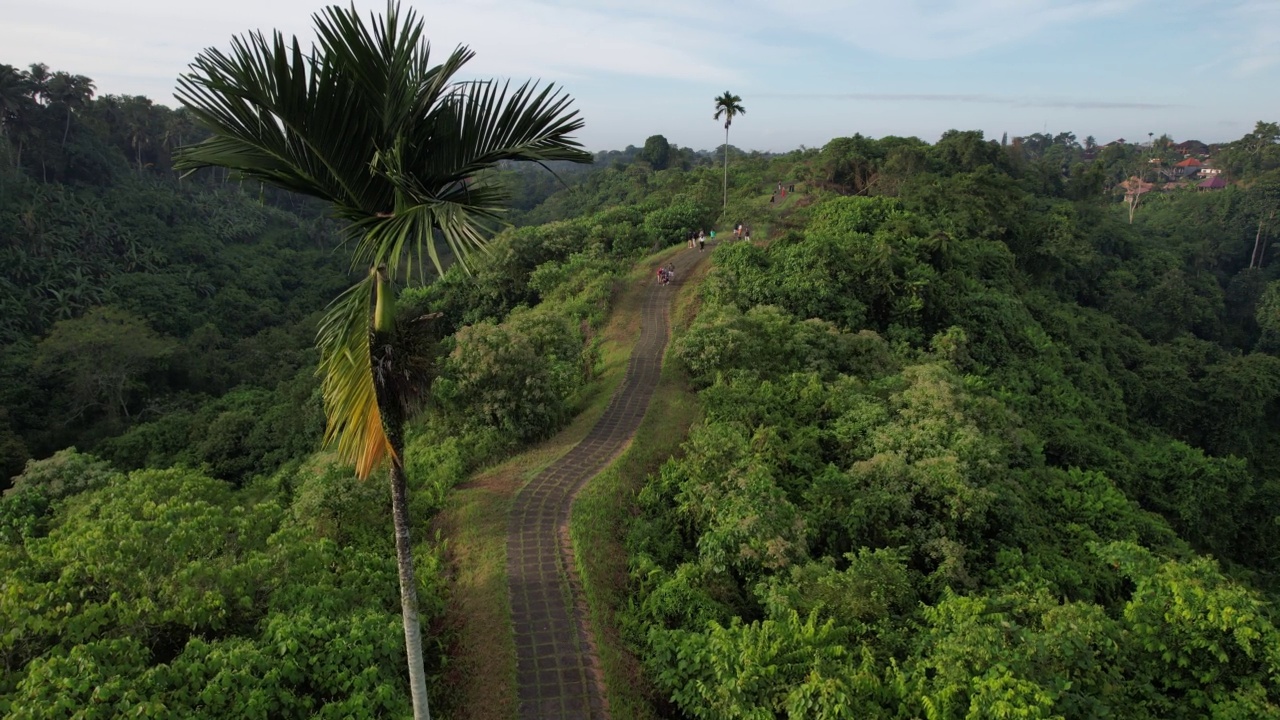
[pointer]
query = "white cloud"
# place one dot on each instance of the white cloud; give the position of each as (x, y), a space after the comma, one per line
(554, 40)
(141, 46)
(934, 29)
(1254, 26)
(636, 68)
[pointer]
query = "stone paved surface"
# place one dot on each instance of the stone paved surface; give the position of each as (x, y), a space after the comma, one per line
(557, 670)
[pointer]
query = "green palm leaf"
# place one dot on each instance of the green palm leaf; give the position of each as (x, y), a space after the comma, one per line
(355, 425)
(397, 145)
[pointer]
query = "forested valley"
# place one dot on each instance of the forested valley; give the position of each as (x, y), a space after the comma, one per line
(986, 428)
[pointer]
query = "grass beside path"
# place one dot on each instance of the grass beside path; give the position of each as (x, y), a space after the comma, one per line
(603, 509)
(474, 521)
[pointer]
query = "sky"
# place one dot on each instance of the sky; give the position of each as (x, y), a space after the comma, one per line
(807, 70)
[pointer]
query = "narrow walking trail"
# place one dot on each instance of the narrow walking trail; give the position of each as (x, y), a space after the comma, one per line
(557, 671)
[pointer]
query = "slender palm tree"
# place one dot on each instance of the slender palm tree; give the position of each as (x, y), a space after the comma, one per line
(17, 106)
(13, 96)
(730, 106)
(399, 148)
(38, 78)
(14, 91)
(138, 115)
(72, 93)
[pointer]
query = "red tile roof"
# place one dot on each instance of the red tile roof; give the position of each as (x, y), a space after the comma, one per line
(1189, 162)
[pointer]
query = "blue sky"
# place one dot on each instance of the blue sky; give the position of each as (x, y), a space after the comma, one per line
(807, 70)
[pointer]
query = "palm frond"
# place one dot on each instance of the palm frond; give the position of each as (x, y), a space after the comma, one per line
(302, 121)
(397, 146)
(354, 425)
(529, 124)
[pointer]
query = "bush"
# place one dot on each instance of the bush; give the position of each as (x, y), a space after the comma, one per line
(671, 224)
(66, 473)
(518, 376)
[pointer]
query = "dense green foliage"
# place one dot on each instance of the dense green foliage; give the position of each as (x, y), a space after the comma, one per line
(973, 446)
(132, 298)
(155, 320)
(166, 593)
(968, 445)
(162, 591)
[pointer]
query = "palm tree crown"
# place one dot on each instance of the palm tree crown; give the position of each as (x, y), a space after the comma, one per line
(395, 144)
(729, 106)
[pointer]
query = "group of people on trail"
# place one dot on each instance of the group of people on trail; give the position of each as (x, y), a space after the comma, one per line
(698, 239)
(782, 191)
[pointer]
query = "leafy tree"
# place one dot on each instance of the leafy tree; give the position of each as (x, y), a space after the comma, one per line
(790, 667)
(852, 163)
(399, 149)
(729, 106)
(1256, 152)
(966, 151)
(168, 593)
(672, 223)
(99, 361)
(656, 152)
(517, 376)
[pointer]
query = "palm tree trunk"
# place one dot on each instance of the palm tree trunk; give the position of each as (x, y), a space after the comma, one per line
(408, 591)
(382, 365)
(389, 409)
(1255, 260)
(726, 165)
(66, 129)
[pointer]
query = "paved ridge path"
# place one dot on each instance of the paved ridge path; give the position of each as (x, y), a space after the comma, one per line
(557, 669)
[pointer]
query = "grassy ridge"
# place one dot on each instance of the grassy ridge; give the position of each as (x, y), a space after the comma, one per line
(475, 523)
(603, 508)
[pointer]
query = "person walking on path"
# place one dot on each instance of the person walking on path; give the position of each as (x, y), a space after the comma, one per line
(702, 240)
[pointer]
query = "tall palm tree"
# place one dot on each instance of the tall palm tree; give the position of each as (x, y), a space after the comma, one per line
(139, 117)
(14, 91)
(399, 148)
(38, 78)
(730, 106)
(71, 92)
(14, 95)
(17, 106)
